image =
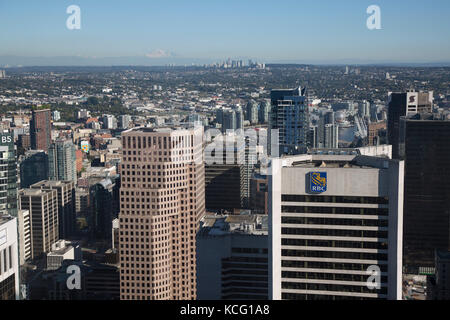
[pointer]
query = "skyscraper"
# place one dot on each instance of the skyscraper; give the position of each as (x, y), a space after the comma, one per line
(289, 114)
(62, 161)
(252, 112)
(66, 205)
(40, 129)
(8, 175)
(425, 147)
(225, 178)
(403, 104)
(33, 168)
(334, 220)
(43, 208)
(264, 110)
(9, 259)
(162, 199)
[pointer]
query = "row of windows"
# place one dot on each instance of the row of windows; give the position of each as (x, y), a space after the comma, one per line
(6, 260)
(329, 276)
(334, 199)
(334, 254)
(334, 244)
(331, 287)
(337, 222)
(334, 233)
(300, 296)
(339, 210)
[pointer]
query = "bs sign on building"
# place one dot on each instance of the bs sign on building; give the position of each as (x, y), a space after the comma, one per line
(318, 182)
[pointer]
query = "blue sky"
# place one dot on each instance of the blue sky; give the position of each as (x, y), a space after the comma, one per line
(271, 31)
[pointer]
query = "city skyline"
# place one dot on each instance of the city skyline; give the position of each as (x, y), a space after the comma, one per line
(175, 32)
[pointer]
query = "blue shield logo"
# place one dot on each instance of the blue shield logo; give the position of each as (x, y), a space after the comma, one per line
(318, 182)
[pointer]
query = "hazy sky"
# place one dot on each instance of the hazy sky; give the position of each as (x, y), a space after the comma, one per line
(272, 31)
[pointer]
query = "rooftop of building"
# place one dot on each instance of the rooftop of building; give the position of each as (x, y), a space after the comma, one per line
(34, 192)
(165, 129)
(247, 224)
(50, 183)
(5, 218)
(428, 117)
(336, 161)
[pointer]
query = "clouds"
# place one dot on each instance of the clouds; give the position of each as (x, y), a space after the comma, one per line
(159, 53)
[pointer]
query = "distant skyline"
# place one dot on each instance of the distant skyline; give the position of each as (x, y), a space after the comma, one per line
(160, 32)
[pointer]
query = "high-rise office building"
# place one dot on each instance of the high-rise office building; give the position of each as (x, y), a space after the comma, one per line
(104, 199)
(56, 115)
(239, 118)
(252, 112)
(66, 205)
(331, 136)
(264, 111)
(232, 258)
(33, 168)
(43, 208)
(124, 121)
(335, 220)
(109, 121)
(229, 120)
(9, 259)
(40, 129)
(289, 114)
(162, 200)
(8, 175)
(24, 228)
(405, 104)
(425, 147)
(225, 173)
(62, 161)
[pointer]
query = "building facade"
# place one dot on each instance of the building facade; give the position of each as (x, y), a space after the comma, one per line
(333, 221)
(9, 259)
(162, 199)
(41, 129)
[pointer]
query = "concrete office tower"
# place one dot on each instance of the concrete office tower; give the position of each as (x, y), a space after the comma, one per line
(8, 175)
(104, 199)
(403, 104)
(124, 121)
(24, 228)
(364, 109)
(313, 137)
(239, 118)
(289, 114)
(43, 208)
(33, 168)
(9, 258)
(252, 112)
(229, 120)
(439, 284)
(40, 129)
(62, 161)
(56, 115)
(232, 258)
(162, 200)
(66, 205)
(331, 136)
(264, 110)
(109, 121)
(332, 218)
(225, 173)
(425, 147)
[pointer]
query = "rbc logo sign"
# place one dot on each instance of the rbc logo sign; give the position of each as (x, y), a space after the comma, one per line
(318, 182)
